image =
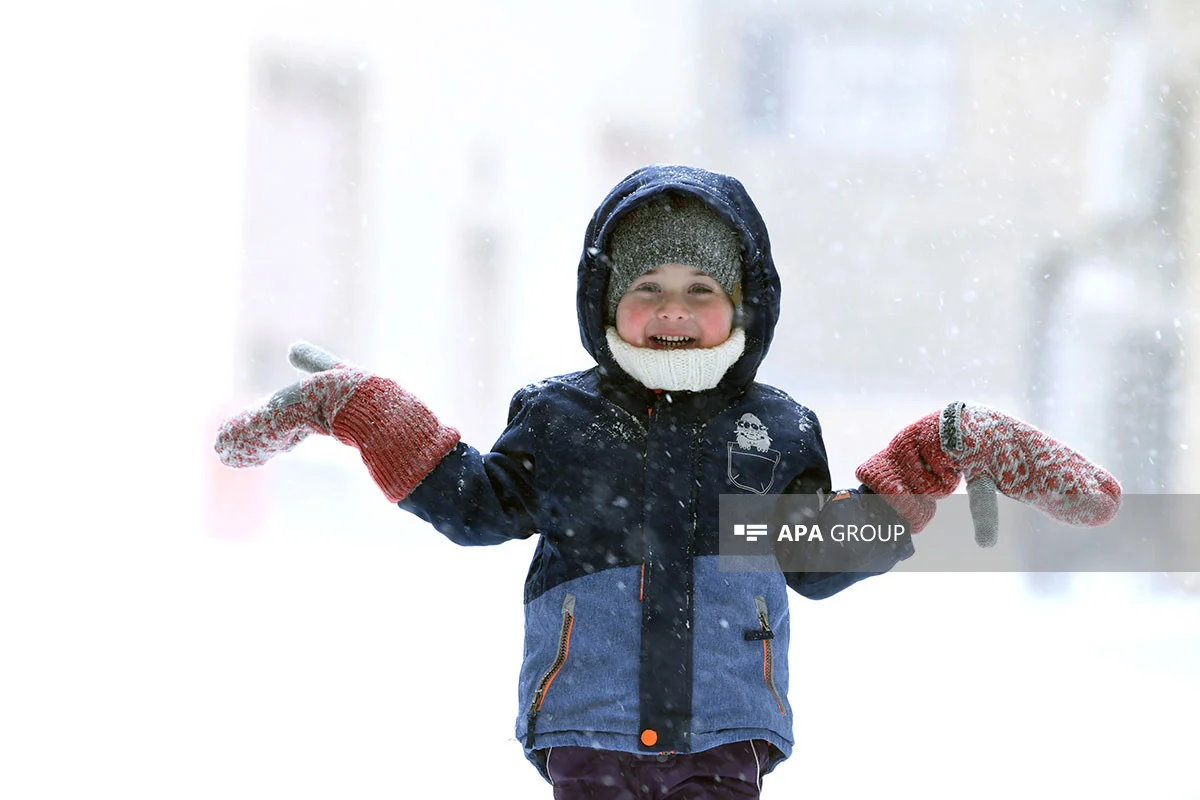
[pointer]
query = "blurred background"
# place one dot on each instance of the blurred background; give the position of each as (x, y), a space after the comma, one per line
(989, 200)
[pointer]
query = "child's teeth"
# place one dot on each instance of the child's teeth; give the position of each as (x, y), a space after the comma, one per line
(671, 342)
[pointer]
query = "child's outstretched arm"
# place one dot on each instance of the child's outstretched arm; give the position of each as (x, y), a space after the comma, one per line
(830, 510)
(400, 440)
(928, 460)
(810, 495)
(476, 498)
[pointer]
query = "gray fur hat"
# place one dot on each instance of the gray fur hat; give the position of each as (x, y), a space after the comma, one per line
(673, 230)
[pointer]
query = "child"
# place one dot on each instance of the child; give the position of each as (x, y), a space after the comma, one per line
(647, 670)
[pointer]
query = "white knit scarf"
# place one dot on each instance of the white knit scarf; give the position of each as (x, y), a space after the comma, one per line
(691, 370)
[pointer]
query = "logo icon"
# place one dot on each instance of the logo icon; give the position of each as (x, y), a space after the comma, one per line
(751, 533)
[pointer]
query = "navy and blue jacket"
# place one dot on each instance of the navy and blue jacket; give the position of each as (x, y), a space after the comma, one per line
(634, 639)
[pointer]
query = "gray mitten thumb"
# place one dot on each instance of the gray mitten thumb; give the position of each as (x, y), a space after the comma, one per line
(985, 513)
(311, 358)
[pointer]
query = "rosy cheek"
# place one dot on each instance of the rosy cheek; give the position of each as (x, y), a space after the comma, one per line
(638, 328)
(631, 324)
(715, 326)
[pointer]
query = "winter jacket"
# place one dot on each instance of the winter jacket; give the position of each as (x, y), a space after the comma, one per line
(634, 639)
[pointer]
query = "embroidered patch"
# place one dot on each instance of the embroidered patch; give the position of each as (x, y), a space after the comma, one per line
(751, 461)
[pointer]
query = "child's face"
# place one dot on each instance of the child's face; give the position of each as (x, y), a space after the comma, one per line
(674, 307)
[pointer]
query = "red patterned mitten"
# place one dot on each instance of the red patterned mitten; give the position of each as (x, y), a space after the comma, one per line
(993, 451)
(399, 438)
(996, 451)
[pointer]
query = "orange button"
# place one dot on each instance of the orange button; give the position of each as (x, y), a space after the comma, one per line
(649, 737)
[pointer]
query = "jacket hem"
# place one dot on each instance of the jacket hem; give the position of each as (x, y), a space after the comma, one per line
(781, 748)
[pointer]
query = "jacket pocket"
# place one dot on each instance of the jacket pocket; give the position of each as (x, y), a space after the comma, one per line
(560, 658)
(767, 637)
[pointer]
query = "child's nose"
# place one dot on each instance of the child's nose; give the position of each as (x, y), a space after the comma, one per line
(673, 308)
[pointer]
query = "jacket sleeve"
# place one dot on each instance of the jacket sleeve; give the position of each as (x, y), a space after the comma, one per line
(843, 508)
(475, 498)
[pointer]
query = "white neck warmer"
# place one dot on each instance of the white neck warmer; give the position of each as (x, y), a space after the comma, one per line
(693, 370)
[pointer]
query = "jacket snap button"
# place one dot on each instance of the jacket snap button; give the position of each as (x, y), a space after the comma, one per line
(649, 737)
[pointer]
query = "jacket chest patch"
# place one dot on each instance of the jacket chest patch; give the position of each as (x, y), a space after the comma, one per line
(750, 460)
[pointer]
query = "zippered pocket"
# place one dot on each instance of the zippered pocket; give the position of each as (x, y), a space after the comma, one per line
(560, 658)
(767, 637)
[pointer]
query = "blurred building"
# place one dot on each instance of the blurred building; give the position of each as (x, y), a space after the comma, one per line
(989, 202)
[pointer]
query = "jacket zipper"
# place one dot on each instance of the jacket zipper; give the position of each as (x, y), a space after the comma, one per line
(560, 658)
(768, 636)
(658, 398)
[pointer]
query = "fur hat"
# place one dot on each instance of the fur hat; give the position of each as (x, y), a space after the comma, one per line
(673, 230)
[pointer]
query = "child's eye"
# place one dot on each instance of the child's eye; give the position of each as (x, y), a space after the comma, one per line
(701, 288)
(646, 287)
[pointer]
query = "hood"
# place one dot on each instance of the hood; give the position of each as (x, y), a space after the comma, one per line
(728, 198)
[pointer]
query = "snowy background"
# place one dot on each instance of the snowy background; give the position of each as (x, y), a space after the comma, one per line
(990, 200)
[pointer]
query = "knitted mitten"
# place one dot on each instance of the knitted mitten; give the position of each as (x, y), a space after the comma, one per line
(993, 451)
(399, 438)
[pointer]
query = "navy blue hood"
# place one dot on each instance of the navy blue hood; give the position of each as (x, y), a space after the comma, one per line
(728, 198)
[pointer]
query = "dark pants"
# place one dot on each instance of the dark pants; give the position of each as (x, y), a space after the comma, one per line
(722, 773)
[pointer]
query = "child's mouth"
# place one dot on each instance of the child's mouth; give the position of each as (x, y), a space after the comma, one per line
(671, 342)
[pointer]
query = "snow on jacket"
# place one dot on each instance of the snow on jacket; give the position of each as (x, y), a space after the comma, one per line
(634, 639)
